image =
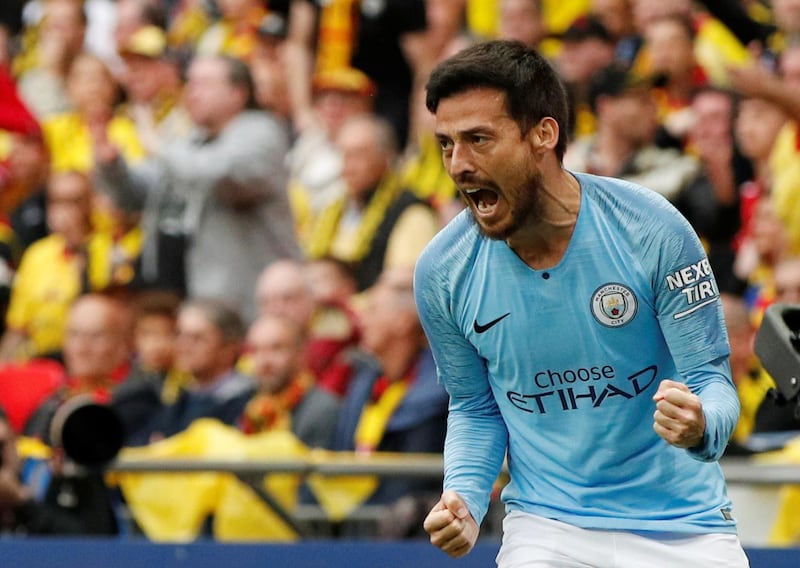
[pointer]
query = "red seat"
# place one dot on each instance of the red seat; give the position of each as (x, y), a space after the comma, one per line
(23, 387)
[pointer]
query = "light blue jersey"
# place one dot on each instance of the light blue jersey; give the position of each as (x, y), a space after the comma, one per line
(559, 366)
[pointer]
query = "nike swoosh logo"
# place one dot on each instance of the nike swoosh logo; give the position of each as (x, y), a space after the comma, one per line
(485, 327)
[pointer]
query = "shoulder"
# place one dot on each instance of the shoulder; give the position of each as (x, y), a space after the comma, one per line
(447, 256)
(46, 246)
(451, 245)
(633, 206)
(255, 122)
(236, 386)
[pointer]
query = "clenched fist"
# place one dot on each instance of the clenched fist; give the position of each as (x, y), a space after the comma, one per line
(451, 525)
(679, 415)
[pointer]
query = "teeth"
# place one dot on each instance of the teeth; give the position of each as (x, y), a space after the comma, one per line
(472, 190)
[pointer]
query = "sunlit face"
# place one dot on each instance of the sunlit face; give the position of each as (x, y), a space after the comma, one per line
(91, 86)
(364, 161)
(787, 281)
(94, 342)
(69, 205)
(521, 20)
(143, 78)
(276, 350)
(282, 290)
(713, 113)
(670, 48)
(154, 341)
(490, 160)
(757, 125)
(199, 345)
(632, 115)
(211, 99)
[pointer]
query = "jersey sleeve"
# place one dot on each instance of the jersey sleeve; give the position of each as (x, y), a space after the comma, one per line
(721, 407)
(691, 319)
(477, 437)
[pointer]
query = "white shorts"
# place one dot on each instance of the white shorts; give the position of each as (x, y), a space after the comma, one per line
(530, 541)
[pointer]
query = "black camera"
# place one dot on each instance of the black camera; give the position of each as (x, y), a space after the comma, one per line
(778, 347)
(90, 433)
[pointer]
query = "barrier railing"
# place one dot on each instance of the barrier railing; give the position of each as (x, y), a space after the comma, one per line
(744, 476)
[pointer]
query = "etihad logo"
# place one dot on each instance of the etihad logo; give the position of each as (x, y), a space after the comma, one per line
(614, 305)
(696, 283)
(577, 389)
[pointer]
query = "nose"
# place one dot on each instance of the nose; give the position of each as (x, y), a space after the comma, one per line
(460, 162)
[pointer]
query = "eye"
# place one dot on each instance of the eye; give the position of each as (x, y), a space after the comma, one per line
(479, 139)
(445, 143)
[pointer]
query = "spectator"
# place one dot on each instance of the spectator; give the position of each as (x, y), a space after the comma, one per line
(384, 40)
(332, 281)
(522, 20)
(152, 82)
(315, 164)
(97, 349)
(132, 16)
(153, 380)
(236, 31)
(284, 289)
(669, 42)
(587, 47)
(287, 397)
(43, 71)
(268, 66)
(711, 201)
(756, 128)
(715, 46)
(54, 271)
(93, 93)
(752, 382)
(769, 240)
(617, 17)
(221, 194)
(394, 402)
(28, 164)
(208, 344)
(780, 89)
(623, 145)
(377, 224)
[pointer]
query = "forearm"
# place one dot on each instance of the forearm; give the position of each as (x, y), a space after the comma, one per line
(474, 452)
(720, 408)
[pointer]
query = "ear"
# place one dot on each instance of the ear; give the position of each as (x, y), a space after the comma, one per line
(544, 136)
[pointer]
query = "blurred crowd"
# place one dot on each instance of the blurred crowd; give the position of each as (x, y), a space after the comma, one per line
(211, 209)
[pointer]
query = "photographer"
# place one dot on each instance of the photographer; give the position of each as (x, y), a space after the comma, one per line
(71, 504)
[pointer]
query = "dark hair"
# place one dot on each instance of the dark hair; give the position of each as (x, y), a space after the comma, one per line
(221, 314)
(532, 87)
(156, 302)
(239, 76)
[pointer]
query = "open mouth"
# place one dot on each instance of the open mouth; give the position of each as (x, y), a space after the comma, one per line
(484, 199)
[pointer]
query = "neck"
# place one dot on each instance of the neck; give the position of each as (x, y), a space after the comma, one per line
(543, 244)
(205, 380)
(215, 129)
(397, 360)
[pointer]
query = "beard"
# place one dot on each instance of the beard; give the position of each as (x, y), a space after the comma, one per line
(525, 209)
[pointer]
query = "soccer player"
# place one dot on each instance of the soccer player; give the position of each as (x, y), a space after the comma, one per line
(578, 330)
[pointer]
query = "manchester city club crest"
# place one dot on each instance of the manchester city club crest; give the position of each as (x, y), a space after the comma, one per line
(613, 305)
